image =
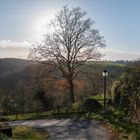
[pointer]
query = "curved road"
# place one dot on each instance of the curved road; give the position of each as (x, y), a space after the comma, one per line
(68, 129)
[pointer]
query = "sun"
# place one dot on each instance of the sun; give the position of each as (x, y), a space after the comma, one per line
(40, 27)
(39, 24)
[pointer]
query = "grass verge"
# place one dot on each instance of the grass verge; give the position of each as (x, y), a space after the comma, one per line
(28, 133)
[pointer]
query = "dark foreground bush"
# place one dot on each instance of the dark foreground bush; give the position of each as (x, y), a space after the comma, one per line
(92, 105)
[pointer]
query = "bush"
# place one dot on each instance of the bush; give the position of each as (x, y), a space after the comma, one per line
(77, 107)
(92, 105)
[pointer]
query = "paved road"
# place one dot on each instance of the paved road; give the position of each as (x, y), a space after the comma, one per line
(68, 129)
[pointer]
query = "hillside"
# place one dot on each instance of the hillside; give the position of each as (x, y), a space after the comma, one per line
(16, 70)
(92, 74)
(12, 71)
(20, 81)
(10, 65)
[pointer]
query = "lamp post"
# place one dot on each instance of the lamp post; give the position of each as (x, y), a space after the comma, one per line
(105, 74)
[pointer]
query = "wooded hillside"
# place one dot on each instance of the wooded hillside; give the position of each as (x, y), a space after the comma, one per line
(30, 86)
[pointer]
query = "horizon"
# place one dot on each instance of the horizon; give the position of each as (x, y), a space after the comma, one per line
(102, 60)
(23, 23)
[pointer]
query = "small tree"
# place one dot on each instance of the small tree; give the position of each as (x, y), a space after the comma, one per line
(70, 43)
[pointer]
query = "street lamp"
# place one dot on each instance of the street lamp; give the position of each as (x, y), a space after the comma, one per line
(105, 74)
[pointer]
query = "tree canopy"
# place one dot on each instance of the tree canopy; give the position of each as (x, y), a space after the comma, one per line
(71, 42)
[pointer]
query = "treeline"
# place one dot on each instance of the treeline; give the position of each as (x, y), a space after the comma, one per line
(124, 62)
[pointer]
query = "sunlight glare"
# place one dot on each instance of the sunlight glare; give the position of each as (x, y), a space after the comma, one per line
(40, 28)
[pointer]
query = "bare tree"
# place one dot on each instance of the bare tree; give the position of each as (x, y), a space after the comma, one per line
(71, 42)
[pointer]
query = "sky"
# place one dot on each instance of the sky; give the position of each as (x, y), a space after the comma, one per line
(22, 24)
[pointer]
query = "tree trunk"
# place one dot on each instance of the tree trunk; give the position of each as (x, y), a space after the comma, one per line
(71, 91)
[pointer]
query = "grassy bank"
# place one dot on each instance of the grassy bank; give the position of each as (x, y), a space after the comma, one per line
(29, 133)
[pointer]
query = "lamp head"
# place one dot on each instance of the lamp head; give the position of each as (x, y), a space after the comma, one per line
(105, 73)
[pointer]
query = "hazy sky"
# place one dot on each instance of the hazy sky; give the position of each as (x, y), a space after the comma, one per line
(21, 23)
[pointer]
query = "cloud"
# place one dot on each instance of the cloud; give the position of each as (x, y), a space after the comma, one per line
(112, 54)
(9, 43)
(13, 49)
(17, 49)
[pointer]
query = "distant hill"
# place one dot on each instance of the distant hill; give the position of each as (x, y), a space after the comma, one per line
(92, 74)
(13, 70)
(10, 65)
